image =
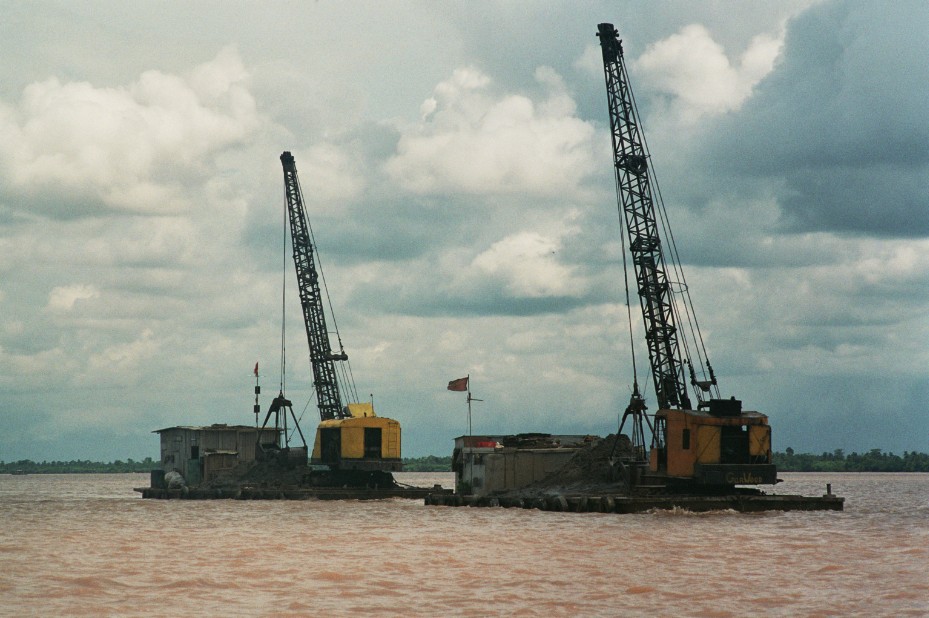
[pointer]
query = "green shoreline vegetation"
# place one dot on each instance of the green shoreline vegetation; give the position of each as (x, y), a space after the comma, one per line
(430, 463)
(874, 460)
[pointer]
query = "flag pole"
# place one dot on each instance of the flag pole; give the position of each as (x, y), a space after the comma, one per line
(470, 433)
(467, 452)
(469, 407)
(257, 408)
(470, 440)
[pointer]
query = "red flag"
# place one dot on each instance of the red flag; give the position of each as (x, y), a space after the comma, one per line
(256, 369)
(461, 384)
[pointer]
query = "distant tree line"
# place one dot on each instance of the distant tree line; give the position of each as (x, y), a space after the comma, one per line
(28, 466)
(874, 460)
(430, 463)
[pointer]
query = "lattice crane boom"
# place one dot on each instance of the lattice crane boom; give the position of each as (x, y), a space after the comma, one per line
(631, 165)
(322, 358)
(716, 445)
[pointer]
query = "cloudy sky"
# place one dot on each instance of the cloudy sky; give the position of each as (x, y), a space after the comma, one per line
(456, 165)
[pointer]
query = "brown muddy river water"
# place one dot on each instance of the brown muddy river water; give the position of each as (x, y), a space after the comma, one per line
(87, 545)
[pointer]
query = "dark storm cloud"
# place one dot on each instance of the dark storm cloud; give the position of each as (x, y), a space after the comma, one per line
(482, 300)
(880, 200)
(394, 228)
(843, 409)
(838, 128)
(397, 232)
(53, 202)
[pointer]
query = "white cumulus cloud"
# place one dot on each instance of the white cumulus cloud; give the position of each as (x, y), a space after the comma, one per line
(528, 263)
(63, 298)
(330, 173)
(695, 72)
(124, 359)
(116, 145)
(474, 140)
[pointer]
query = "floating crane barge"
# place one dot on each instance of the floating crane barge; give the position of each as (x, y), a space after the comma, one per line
(355, 451)
(707, 456)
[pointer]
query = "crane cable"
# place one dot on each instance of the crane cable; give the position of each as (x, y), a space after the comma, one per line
(303, 413)
(284, 295)
(689, 312)
(622, 240)
(347, 377)
(284, 236)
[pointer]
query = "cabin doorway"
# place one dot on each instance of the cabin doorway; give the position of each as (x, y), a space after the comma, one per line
(372, 442)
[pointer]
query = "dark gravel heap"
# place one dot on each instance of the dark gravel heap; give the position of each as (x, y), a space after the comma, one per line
(261, 474)
(588, 471)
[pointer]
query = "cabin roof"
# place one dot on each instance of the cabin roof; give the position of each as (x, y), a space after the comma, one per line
(214, 427)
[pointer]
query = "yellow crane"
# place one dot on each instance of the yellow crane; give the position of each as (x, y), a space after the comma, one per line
(353, 445)
(715, 445)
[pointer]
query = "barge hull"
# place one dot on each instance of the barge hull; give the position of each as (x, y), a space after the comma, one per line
(284, 493)
(642, 504)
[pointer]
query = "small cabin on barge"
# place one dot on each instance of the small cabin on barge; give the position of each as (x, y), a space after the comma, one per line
(199, 454)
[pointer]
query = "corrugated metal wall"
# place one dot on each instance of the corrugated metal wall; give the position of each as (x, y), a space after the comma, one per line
(182, 448)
